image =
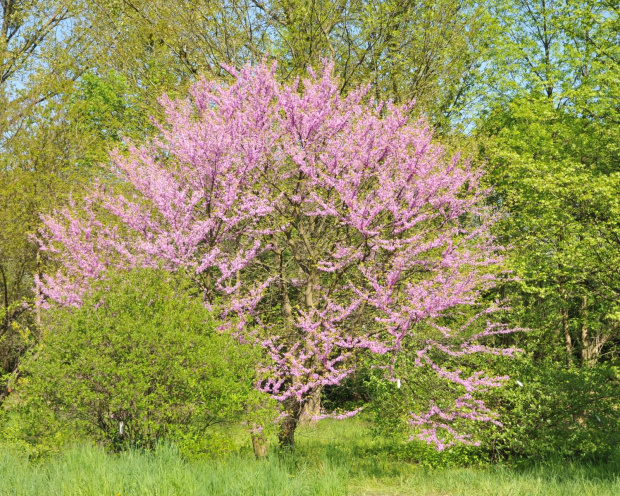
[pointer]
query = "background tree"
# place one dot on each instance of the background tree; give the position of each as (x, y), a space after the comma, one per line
(553, 162)
(33, 70)
(428, 51)
(55, 153)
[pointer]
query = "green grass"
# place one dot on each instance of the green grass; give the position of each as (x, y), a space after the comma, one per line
(334, 458)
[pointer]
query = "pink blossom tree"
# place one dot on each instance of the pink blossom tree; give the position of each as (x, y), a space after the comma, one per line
(315, 224)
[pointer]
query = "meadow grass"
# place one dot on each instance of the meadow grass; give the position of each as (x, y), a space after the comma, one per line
(333, 458)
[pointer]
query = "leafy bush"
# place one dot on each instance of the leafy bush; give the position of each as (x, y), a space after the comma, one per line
(408, 388)
(550, 412)
(141, 360)
(546, 411)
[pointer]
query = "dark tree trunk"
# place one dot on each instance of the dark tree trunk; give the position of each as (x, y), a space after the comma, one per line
(567, 337)
(287, 433)
(289, 424)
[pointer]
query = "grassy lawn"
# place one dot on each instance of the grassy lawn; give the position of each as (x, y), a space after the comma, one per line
(334, 458)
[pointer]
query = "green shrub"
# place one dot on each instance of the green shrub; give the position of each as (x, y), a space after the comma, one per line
(140, 361)
(546, 411)
(553, 412)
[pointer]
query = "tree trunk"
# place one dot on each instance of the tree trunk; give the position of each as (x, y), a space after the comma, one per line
(289, 424)
(287, 433)
(567, 339)
(311, 408)
(587, 349)
(566, 328)
(591, 344)
(259, 445)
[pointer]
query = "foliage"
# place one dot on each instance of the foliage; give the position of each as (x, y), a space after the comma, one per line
(534, 83)
(552, 155)
(51, 155)
(551, 412)
(395, 400)
(562, 221)
(545, 411)
(429, 50)
(139, 361)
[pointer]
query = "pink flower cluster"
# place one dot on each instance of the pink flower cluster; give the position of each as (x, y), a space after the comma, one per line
(316, 224)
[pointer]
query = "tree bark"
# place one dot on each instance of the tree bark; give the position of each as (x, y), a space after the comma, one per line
(289, 424)
(592, 345)
(311, 408)
(259, 445)
(567, 338)
(586, 348)
(566, 328)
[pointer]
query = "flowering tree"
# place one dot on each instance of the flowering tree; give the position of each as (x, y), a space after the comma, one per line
(316, 224)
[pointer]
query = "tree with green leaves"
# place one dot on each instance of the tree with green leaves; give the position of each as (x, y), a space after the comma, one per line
(429, 51)
(553, 160)
(33, 70)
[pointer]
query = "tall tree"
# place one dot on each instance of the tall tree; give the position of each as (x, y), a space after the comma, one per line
(424, 50)
(317, 224)
(58, 55)
(553, 161)
(34, 35)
